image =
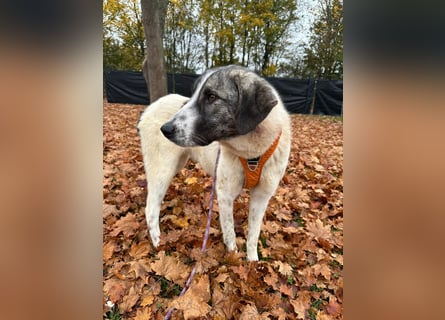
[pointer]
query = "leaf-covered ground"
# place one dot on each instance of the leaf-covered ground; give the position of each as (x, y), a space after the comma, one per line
(300, 272)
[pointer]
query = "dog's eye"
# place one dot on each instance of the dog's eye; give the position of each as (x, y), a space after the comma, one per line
(211, 97)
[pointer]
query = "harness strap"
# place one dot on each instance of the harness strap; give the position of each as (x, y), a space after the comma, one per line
(254, 167)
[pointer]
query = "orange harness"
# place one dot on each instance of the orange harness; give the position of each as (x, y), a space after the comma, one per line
(253, 167)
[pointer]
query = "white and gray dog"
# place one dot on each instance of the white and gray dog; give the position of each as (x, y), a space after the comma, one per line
(242, 113)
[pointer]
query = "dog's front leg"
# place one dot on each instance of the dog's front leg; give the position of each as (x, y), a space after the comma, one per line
(259, 199)
(227, 190)
(225, 204)
(152, 209)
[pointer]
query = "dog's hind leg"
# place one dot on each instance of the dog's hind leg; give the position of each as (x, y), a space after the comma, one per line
(160, 172)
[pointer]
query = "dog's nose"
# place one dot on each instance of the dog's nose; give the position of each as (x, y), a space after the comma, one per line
(168, 129)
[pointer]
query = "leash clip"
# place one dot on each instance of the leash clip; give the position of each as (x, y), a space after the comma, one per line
(252, 164)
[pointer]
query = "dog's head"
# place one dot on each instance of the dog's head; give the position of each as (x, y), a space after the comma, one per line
(227, 102)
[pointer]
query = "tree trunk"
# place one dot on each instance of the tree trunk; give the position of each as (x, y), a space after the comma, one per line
(153, 17)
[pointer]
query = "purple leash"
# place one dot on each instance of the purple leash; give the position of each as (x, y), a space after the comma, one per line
(206, 235)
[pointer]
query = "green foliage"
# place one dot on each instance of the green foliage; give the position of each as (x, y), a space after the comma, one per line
(324, 56)
(250, 33)
(314, 288)
(113, 314)
(181, 36)
(123, 35)
(169, 289)
(201, 34)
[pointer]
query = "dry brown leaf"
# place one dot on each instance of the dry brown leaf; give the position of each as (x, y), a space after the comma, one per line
(322, 269)
(177, 210)
(140, 268)
(181, 222)
(318, 230)
(178, 221)
(147, 300)
(284, 214)
(300, 308)
(109, 209)
(127, 225)
(115, 289)
(129, 301)
(194, 302)
(287, 290)
(272, 280)
(338, 258)
(323, 316)
(204, 260)
(222, 277)
(242, 271)
(306, 276)
(234, 257)
(280, 314)
(225, 301)
(171, 268)
(191, 180)
(291, 229)
(249, 312)
(139, 250)
(108, 250)
(271, 227)
(143, 314)
(283, 268)
(333, 308)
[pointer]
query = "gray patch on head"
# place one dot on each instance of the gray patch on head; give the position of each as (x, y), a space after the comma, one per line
(244, 100)
(228, 101)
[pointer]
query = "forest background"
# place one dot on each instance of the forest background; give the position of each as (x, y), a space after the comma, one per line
(283, 38)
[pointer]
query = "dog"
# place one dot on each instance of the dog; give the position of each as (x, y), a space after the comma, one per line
(231, 108)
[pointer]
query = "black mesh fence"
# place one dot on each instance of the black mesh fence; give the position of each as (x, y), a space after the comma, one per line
(299, 96)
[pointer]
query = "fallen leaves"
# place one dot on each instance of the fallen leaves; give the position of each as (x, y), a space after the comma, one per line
(139, 250)
(283, 268)
(171, 268)
(129, 300)
(108, 250)
(249, 312)
(115, 289)
(300, 272)
(140, 268)
(194, 302)
(127, 225)
(318, 230)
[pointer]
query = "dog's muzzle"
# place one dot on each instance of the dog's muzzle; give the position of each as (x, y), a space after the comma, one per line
(168, 130)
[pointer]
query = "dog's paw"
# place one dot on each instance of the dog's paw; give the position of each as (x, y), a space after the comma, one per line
(252, 250)
(231, 247)
(252, 256)
(155, 237)
(155, 242)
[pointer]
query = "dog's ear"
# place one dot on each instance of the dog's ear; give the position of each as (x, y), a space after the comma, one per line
(195, 84)
(256, 100)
